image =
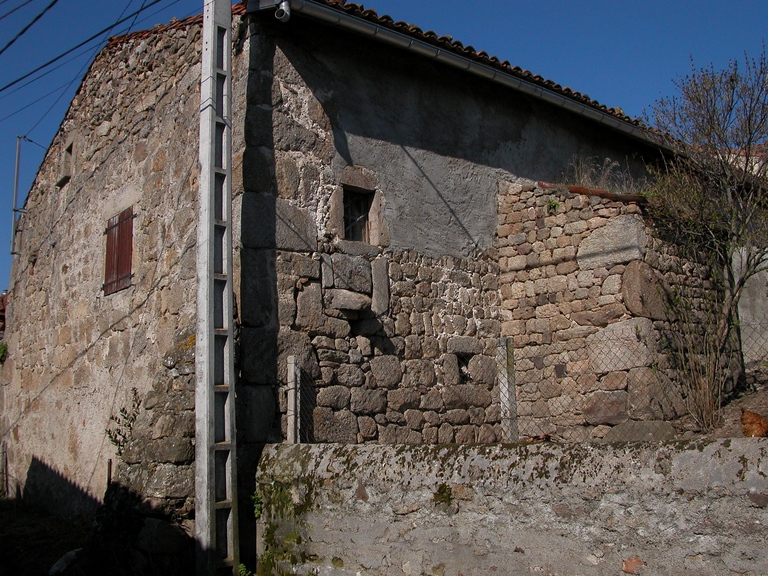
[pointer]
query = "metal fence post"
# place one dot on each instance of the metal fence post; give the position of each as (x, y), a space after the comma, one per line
(505, 362)
(294, 402)
(3, 470)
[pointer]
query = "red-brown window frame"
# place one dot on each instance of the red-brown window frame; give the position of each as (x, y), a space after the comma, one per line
(117, 262)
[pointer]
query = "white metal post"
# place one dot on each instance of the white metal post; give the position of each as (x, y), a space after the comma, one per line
(291, 412)
(216, 524)
(15, 194)
(505, 362)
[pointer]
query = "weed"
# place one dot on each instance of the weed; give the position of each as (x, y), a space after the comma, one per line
(590, 172)
(258, 504)
(443, 495)
(552, 206)
(120, 426)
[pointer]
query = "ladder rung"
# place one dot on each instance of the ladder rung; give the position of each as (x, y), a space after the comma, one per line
(221, 331)
(224, 504)
(222, 446)
(220, 277)
(221, 388)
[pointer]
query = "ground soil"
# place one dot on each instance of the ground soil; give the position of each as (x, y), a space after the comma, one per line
(756, 401)
(31, 541)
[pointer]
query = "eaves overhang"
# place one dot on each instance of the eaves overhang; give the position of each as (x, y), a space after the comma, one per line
(354, 18)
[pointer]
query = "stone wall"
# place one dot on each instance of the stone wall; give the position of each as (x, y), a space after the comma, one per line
(398, 344)
(584, 283)
(74, 354)
(397, 338)
(539, 508)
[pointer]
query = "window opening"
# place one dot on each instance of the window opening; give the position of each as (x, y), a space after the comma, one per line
(464, 375)
(357, 207)
(65, 167)
(117, 268)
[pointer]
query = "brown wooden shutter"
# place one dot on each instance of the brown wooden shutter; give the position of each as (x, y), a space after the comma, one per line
(117, 268)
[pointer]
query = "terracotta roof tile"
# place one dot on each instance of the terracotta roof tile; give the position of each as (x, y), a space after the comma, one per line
(237, 9)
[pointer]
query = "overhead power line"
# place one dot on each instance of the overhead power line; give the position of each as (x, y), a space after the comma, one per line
(43, 97)
(28, 26)
(81, 44)
(12, 10)
(79, 72)
(134, 19)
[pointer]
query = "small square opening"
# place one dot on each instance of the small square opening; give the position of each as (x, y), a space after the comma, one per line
(464, 375)
(357, 207)
(65, 166)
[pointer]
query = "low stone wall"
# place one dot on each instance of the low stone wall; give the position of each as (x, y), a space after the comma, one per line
(515, 509)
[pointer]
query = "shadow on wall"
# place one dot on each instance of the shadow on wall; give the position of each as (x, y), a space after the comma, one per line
(408, 101)
(50, 490)
(127, 536)
(259, 348)
(126, 539)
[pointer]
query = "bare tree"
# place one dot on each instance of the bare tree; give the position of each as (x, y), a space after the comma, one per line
(713, 194)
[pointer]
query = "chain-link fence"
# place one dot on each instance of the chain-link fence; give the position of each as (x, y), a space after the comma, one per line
(754, 344)
(618, 383)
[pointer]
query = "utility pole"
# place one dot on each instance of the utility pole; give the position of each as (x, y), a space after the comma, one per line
(15, 194)
(216, 524)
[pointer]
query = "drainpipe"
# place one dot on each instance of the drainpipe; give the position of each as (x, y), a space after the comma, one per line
(400, 40)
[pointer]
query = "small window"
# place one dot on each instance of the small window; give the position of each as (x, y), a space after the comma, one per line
(65, 167)
(117, 268)
(465, 377)
(357, 206)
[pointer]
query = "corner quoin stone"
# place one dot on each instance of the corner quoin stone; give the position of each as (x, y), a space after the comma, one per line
(622, 346)
(621, 240)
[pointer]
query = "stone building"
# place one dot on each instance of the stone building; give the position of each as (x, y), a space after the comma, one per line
(395, 233)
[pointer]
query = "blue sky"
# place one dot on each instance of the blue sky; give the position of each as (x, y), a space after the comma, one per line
(622, 54)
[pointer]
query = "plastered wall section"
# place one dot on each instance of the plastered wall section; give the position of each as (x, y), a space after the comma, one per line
(74, 354)
(650, 508)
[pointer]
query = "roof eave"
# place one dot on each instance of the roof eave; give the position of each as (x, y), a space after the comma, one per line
(398, 39)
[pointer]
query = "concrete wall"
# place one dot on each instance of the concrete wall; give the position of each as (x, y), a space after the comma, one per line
(74, 354)
(515, 509)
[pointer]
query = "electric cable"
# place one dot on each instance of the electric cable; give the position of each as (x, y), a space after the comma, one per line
(12, 10)
(28, 26)
(148, 16)
(64, 87)
(80, 45)
(43, 97)
(44, 74)
(134, 18)
(64, 91)
(35, 143)
(75, 57)
(77, 75)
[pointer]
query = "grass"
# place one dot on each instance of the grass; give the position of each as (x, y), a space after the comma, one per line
(31, 541)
